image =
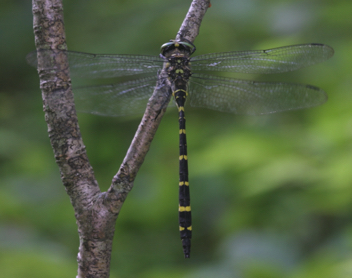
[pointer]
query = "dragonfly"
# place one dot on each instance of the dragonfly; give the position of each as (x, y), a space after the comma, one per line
(189, 79)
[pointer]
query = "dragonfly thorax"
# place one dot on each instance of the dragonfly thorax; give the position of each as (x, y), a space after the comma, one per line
(177, 62)
(178, 69)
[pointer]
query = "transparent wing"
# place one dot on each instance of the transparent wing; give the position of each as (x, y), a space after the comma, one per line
(251, 97)
(123, 99)
(281, 59)
(103, 66)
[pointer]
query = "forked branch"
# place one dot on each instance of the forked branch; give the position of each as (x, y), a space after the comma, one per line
(96, 212)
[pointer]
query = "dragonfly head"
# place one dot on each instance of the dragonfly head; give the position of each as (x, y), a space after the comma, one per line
(183, 46)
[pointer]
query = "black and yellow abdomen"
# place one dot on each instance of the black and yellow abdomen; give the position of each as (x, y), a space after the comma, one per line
(184, 209)
(177, 66)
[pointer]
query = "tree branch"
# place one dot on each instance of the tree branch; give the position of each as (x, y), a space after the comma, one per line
(96, 212)
(189, 29)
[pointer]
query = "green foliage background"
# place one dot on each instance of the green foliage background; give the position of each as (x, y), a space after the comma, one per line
(271, 195)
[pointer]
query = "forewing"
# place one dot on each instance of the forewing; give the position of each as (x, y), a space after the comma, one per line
(122, 99)
(281, 59)
(100, 65)
(251, 97)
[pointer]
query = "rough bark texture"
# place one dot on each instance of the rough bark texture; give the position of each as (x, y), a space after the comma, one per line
(96, 212)
(189, 29)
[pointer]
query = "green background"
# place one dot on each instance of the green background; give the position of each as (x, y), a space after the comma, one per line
(271, 195)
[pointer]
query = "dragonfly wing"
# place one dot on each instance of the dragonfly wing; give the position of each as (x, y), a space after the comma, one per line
(281, 59)
(100, 65)
(122, 99)
(251, 97)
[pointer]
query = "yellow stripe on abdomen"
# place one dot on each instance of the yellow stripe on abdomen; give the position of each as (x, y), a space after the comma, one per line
(182, 209)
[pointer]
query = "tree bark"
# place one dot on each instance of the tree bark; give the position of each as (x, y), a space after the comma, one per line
(96, 212)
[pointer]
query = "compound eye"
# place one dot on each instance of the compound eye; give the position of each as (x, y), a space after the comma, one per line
(189, 45)
(167, 45)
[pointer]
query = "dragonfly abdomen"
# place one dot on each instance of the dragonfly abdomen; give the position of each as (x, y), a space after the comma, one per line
(185, 218)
